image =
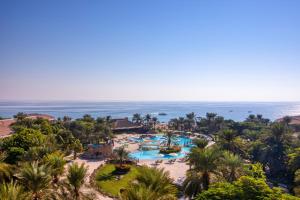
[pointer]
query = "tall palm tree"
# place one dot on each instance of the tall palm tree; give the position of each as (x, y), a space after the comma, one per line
(154, 121)
(75, 179)
(169, 135)
(232, 166)
(211, 124)
(181, 122)
(12, 191)
(276, 148)
(121, 154)
(137, 118)
(147, 119)
(35, 178)
(57, 163)
(219, 121)
(190, 120)
(210, 116)
(150, 184)
(205, 161)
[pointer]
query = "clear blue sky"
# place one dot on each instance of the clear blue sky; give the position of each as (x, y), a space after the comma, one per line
(222, 50)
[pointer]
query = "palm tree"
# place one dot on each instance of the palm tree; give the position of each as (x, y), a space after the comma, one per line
(75, 179)
(251, 118)
(286, 120)
(192, 184)
(232, 166)
(12, 191)
(6, 170)
(173, 124)
(148, 119)
(210, 116)
(276, 149)
(259, 117)
(226, 140)
(66, 119)
(169, 136)
(219, 121)
(36, 178)
(154, 121)
(200, 143)
(137, 192)
(77, 147)
(121, 154)
(20, 116)
(150, 184)
(137, 118)
(205, 161)
(278, 132)
(57, 163)
(210, 119)
(181, 122)
(36, 153)
(190, 120)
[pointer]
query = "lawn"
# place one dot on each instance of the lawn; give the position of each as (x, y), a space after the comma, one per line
(108, 183)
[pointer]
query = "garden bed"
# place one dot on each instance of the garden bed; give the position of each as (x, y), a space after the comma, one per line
(174, 149)
(109, 182)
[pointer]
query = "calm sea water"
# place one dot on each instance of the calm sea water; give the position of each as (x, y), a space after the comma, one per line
(230, 110)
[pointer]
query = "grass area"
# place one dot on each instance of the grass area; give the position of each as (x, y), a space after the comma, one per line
(109, 183)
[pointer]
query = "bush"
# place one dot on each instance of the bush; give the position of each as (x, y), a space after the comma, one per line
(122, 169)
(14, 154)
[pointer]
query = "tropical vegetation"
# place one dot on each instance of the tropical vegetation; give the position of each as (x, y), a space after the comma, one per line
(252, 159)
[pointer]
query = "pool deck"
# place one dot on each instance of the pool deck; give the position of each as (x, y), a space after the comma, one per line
(177, 169)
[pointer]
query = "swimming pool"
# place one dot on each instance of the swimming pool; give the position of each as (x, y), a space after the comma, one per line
(184, 142)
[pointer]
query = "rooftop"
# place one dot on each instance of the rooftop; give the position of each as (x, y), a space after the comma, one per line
(124, 123)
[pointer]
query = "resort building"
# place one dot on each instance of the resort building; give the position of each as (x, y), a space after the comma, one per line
(103, 150)
(124, 125)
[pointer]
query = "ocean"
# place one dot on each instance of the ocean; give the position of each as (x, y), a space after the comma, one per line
(230, 110)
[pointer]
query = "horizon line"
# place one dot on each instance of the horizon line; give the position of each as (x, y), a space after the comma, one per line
(137, 101)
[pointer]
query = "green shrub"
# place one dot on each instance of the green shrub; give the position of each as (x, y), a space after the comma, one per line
(122, 169)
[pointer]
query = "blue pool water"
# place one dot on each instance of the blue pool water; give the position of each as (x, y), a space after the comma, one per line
(155, 155)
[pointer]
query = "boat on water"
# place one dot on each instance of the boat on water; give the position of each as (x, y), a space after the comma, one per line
(162, 113)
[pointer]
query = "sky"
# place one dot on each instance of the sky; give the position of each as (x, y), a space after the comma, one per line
(150, 50)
